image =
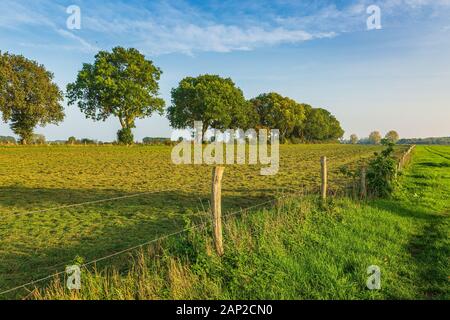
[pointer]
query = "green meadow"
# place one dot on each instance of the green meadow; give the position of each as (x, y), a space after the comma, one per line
(40, 235)
(300, 249)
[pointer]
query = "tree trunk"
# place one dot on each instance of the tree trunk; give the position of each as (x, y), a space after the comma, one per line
(25, 139)
(122, 123)
(204, 129)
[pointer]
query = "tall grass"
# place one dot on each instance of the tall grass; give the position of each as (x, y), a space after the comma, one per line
(38, 178)
(299, 249)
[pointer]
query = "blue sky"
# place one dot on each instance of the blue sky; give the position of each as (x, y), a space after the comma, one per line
(317, 52)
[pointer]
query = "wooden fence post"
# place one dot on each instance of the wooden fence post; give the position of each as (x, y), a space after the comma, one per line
(323, 188)
(363, 183)
(216, 203)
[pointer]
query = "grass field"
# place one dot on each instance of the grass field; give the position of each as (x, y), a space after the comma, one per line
(36, 243)
(299, 249)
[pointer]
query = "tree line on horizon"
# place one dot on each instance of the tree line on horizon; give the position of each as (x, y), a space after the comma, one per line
(124, 84)
(375, 137)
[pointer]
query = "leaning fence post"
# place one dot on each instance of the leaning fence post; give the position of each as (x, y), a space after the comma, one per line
(323, 189)
(363, 183)
(216, 203)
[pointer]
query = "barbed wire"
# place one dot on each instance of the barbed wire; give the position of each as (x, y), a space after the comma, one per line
(86, 203)
(23, 286)
(133, 247)
(105, 200)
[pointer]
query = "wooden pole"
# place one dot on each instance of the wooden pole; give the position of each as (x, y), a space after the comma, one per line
(363, 183)
(324, 186)
(216, 203)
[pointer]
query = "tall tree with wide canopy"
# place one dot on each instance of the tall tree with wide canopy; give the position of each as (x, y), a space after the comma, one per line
(121, 83)
(28, 95)
(214, 100)
(278, 112)
(321, 125)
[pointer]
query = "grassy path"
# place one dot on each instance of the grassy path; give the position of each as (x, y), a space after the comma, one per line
(424, 198)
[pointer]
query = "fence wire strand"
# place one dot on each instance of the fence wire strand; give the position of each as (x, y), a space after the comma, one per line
(87, 203)
(24, 286)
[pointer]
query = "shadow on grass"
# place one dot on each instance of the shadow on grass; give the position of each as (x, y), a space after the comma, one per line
(20, 200)
(435, 164)
(431, 255)
(94, 230)
(399, 209)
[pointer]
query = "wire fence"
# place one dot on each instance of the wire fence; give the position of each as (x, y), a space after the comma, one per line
(94, 261)
(53, 275)
(87, 203)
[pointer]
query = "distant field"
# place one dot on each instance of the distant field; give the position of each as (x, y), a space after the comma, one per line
(35, 244)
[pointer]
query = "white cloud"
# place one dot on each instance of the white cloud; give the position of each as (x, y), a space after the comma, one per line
(168, 27)
(159, 33)
(14, 15)
(83, 44)
(221, 38)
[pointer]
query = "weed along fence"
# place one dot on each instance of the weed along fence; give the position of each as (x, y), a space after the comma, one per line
(215, 215)
(216, 193)
(359, 188)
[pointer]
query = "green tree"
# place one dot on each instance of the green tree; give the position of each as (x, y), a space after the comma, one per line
(28, 96)
(121, 83)
(321, 125)
(353, 139)
(86, 141)
(72, 140)
(375, 137)
(7, 140)
(215, 101)
(278, 112)
(38, 139)
(335, 130)
(392, 136)
(156, 140)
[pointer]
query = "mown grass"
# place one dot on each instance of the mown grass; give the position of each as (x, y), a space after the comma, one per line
(33, 245)
(300, 249)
